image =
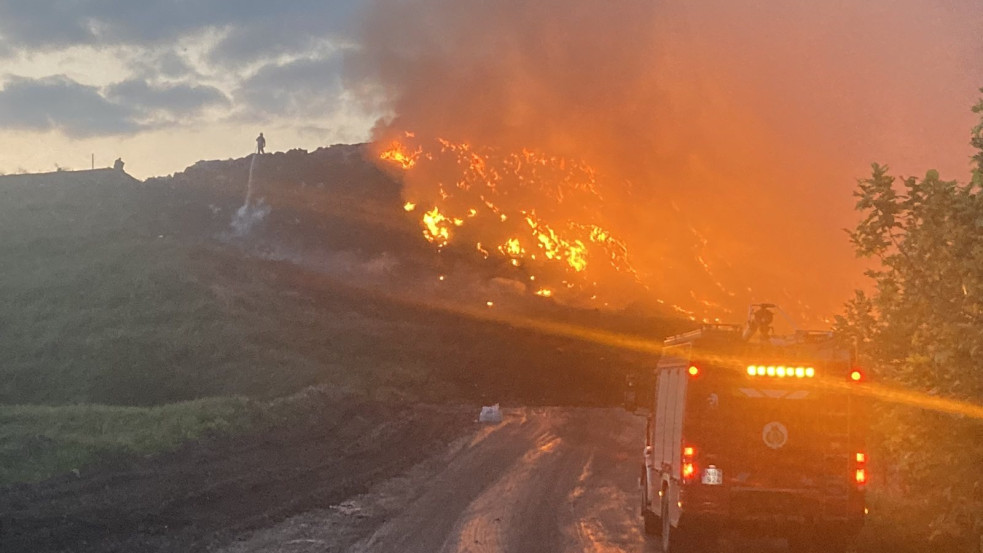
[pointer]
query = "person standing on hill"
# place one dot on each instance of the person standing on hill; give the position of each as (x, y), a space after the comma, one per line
(260, 144)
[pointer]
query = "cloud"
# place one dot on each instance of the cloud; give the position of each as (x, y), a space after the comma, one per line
(281, 59)
(256, 28)
(178, 99)
(307, 87)
(59, 103)
(163, 63)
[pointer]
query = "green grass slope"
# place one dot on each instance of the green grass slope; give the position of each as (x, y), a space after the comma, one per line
(119, 298)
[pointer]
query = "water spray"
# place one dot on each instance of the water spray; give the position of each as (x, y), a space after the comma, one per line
(248, 215)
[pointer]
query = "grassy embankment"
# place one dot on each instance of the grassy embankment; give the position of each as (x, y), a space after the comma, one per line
(126, 328)
(38, 441)
(99, 308)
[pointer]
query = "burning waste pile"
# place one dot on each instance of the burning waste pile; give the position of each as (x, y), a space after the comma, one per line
(668, 155)
(491, 203)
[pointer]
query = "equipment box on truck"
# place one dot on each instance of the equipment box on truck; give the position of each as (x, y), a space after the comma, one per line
(760, 434)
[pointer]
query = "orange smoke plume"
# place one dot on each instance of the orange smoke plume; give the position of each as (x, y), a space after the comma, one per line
(715, 144)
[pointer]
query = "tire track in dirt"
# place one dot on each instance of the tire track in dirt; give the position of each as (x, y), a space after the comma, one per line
(545, 480)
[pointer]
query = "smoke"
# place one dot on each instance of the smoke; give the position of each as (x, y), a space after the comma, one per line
(729, 134)
(251, 213)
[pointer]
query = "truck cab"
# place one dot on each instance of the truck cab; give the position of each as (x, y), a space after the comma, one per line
(764, 437)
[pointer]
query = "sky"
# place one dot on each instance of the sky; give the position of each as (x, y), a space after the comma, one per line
(164, 84)
(727, 136)
(731, 134)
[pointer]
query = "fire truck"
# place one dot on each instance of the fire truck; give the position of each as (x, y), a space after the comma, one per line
(756, 433)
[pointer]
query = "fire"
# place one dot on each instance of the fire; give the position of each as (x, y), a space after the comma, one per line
(512, 248)
(397, 154)
(554, 247)
(485, 196)
(436, 227)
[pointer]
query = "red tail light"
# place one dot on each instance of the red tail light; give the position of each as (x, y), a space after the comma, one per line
(689, 467)
(860, 469)
(861, 476)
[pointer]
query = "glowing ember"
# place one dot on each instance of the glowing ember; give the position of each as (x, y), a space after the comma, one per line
(435, 227)
(573, 252)
(409, 206)
(512, 248)
(544, 292)
(484, 196)
(397, 154)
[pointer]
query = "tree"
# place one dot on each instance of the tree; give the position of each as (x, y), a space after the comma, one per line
(922, 329)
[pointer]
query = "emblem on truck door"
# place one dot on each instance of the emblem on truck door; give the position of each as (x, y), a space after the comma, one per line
(774, 435)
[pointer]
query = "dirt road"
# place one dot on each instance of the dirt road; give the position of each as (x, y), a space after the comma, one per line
(361, 478)
(543, 480)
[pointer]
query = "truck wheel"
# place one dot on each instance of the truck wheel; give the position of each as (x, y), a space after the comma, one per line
(666, 525)
(653, 524)
(673, 541)
(683, 540)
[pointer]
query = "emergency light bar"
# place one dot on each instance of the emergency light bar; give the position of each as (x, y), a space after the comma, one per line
(781, 371)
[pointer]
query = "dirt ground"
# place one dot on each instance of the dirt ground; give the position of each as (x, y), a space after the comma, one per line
(208, 494)
(545, 479)
(363, 478)
(359, 477)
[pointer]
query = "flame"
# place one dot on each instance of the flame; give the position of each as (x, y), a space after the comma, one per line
(409, 206)
(397, 154)
(512, 248)
(435, 227)
(498, 192)
(573, 252)
(544, 292)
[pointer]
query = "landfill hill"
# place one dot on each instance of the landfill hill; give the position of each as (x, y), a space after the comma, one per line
(169, 380)
(123, 292)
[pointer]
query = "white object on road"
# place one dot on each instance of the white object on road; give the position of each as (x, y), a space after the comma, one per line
(490, 413)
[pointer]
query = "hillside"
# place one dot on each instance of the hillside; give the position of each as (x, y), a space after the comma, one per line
(138, 293)
(144, 337)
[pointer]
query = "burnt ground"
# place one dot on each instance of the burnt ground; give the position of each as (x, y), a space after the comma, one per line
(208, 493)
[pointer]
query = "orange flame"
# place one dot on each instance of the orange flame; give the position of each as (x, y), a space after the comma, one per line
(397, 154)
(471, 185)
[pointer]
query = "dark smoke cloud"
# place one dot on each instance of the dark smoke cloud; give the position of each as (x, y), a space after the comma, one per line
(732, 132)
